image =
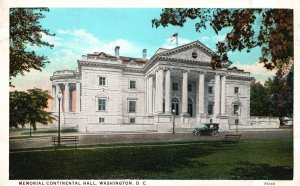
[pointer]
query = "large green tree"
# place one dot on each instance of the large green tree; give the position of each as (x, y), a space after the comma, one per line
(260, 100)
(270, 29)
(280, 89)
(275, 97)
(29, 107)
(26, 30)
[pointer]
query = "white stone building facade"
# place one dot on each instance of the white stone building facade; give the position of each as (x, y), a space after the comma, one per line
(113, 93)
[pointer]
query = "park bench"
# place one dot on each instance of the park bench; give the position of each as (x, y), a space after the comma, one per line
(231, 138)
(65, 140)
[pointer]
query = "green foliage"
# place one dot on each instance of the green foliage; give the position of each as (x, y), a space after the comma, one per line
(270, 29)
(260, 100)
(281, 90)
(29, 107)
(275, 98)
(268, 160)
(25, 30)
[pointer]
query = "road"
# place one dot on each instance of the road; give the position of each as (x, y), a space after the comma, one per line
(98, 139)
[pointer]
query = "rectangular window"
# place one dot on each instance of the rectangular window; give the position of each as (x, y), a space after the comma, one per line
(132, 84)
(235, 109)
(175, 86)
(190, 87)
(236, 90)
(101, 120)
(210, 89)
(132, 120)
(210, 109)
(102, 80)
(132, 105)
(101, 104)
(236, 121)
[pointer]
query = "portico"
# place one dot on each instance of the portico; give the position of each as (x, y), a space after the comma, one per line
(184, 90)
(70, 89)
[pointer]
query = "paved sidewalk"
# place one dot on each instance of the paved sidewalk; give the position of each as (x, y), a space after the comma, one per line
(98, 138)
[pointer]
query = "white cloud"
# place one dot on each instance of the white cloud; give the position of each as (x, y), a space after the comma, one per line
(257, 71)
(181, 41)
(56, 41)
(218, 38)
(204, 38)
(84, 42)
(70, 45)
(62, 31)
(126, 47)
(63, 60)
(213, 39)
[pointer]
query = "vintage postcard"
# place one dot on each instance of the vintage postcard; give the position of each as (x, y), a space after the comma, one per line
(115, 93)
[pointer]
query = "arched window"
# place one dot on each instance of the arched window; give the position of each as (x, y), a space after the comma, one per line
(175, 106)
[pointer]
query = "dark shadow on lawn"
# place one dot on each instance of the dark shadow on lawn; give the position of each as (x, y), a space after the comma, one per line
(251, 171)
(113, 163)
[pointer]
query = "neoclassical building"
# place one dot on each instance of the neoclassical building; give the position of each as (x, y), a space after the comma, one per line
(114, 93)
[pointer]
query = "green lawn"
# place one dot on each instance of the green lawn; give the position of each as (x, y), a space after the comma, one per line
(271, 160)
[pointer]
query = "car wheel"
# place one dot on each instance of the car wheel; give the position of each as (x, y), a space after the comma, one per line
(196, 133)
(215, 133)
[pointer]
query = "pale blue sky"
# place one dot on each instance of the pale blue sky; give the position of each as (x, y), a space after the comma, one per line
(86, 30)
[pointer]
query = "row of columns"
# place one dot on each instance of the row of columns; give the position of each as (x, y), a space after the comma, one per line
(65, 98)
(219, 93)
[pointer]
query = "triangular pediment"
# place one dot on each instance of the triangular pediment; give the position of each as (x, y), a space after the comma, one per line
(194, 51)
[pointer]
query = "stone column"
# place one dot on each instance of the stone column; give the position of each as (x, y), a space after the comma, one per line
(57, 90)
(146, 95)
(223, 94)
(150, 96)
(184, 92)
(217, 95)
(77, 97)
(168, 92)
(160, 87)
(67, 98)
(201, 93)
(54, 98)
(156, 92)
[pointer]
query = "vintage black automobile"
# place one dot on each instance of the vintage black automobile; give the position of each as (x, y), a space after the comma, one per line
(207, 129)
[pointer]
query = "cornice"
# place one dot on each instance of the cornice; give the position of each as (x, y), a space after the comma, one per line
(109, 65)
(245, 78)
(63, 76)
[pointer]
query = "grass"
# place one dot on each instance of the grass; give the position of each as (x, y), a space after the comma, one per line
(268, 160)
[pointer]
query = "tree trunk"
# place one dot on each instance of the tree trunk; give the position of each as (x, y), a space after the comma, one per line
(281, 121)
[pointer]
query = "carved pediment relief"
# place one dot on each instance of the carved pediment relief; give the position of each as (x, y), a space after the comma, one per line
(194, 53)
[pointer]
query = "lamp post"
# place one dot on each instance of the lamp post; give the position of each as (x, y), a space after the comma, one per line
(173, 112)
(237, 120)
(59, 96)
